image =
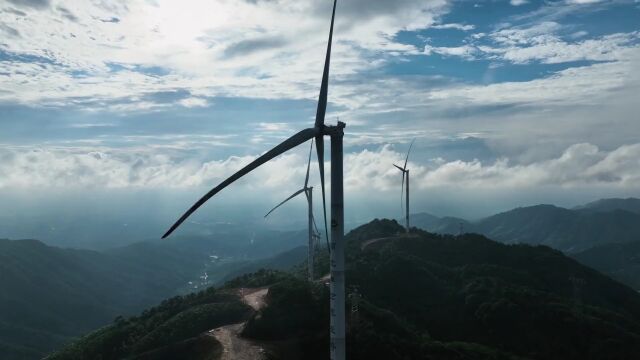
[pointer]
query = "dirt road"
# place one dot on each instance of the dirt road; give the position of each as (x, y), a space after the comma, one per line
(235, 347)
(254, 297)
(365, 244)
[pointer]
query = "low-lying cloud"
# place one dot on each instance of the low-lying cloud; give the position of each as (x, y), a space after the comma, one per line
(367, 170)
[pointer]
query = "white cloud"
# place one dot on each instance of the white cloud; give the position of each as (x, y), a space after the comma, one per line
(138, 168)
(580, 164)
(456, 26)
(572, 86)
(365, 171)
(583, 1)
(465, 51)
(230, 48)
(518, 2)
(194, 102)
(543, 42)
(552, 50)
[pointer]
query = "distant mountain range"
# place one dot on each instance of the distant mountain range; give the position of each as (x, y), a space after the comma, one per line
(50, 295)
(570, 230)
(423, 296)
(629, 204)
(603, 234)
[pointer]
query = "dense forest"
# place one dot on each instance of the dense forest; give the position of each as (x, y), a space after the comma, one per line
(421, 296)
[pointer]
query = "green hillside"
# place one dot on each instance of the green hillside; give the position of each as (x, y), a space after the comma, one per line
(570, 230)
(172, 327)
(51, 295)
(439, 297)
(620, 261)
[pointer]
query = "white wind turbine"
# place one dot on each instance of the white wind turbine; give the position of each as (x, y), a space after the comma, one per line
(405, 179)
(336, 248)
(313, 229)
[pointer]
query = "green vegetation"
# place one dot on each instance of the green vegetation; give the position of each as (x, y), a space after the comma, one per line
(423, 296)
(569, 230)
(446, 297)
(51, 295)
(262, 277)
(620, 261)
(296, 308)
(167, 327)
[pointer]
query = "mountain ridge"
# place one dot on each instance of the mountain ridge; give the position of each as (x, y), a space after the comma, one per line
(428, 296)
(569, 230)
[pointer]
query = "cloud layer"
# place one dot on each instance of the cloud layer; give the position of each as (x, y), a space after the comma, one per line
(144, 94)
(365, 171)
(77, 52)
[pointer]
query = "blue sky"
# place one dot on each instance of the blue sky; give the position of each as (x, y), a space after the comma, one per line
(510, 102)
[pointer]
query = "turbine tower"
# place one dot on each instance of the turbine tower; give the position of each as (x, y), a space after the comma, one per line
(336, 248)
(313, 229)
(405, 179)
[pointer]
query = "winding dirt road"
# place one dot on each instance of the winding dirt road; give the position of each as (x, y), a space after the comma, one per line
(235, 347)
(365, 244)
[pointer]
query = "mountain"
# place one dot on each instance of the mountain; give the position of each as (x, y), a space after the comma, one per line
(440, 225)
(284, 261)
(620, 261)
(50, 295)
(465, 297)
(562, 229)
(603, 205)
(422, 296)
(569, 230)
(167, 331)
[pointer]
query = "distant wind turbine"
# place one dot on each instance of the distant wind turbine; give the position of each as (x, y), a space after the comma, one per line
(405, 178)
(336, 261)
(313, 229)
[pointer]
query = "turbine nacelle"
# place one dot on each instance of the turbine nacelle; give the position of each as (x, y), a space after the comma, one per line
(401, 169)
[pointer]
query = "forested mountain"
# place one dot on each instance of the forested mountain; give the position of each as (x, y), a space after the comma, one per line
(50, 295)
(167, 331)
(562, 229)
(570, 230)
(628, 204)
(620, 261)
(424, 296)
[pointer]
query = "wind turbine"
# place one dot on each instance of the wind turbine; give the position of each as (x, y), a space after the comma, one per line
(405, 178)
(313, 229)
(336, 248)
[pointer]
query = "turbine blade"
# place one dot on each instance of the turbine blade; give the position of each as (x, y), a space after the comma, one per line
(399, 168)
(320, 154)
(322, 99)
(319, 124)
(287, 199)
(313, 218)
(306, 179)
(286, 145)
(408, 152)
